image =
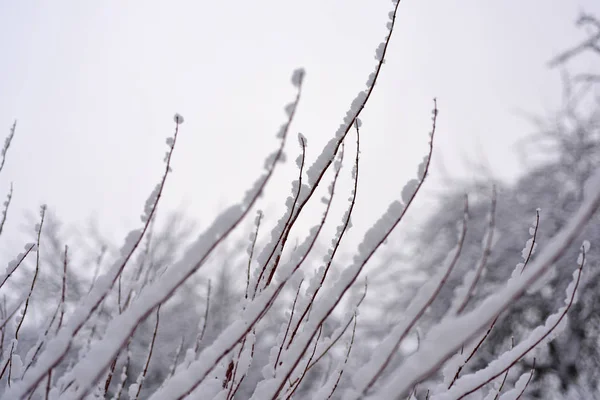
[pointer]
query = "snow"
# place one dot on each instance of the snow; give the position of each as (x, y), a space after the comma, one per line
(150, 202)
(448, 336)
(409, 190)
(185, 380)
(133, 388)
(515, 393)
(381, 354)
(586, 246)
(298, 77)
(102, 352)
(289, 109)
(529, 248)
(91, 367)
(178, 119)
(195, 375)
(423, 167)
(323, 306)
(302, 140)
(380, 49)
(14, 264)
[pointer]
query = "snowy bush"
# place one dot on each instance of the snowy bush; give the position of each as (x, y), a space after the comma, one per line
(309, 348)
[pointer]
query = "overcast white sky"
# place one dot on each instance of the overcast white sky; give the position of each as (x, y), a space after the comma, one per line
(94, 86)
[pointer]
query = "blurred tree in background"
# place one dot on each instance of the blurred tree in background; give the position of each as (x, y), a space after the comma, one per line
(568, 145)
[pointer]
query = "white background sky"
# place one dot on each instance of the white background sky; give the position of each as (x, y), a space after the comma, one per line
(94, 86)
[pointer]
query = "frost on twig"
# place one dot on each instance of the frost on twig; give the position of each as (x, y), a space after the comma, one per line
(286, 336)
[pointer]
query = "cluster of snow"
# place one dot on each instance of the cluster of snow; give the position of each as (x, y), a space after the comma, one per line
(301, 339)
(449, 335)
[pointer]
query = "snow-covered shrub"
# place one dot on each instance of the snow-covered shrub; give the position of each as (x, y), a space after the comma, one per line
(283, 335)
